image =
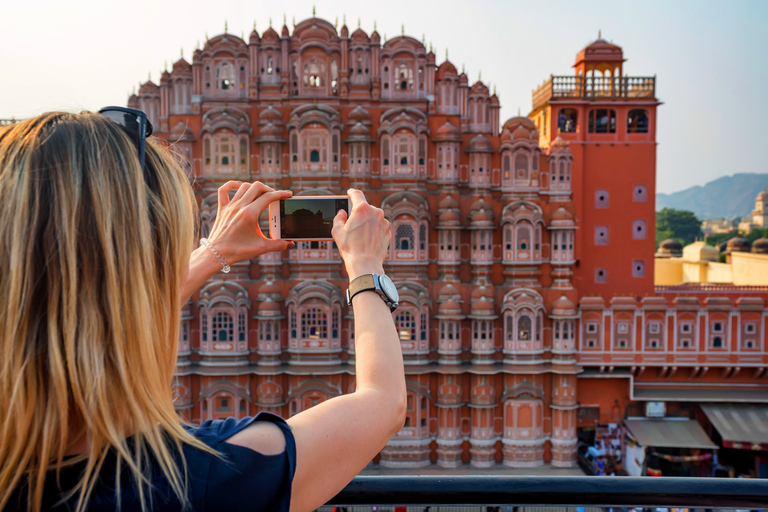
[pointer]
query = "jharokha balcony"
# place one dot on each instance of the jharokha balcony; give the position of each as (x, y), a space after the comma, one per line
(597, 87)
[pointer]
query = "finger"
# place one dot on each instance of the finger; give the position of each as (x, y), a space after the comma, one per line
(265, 199)
(257, 188)
(356, 196)
(241, 191)
(224, 191)
(339, 220)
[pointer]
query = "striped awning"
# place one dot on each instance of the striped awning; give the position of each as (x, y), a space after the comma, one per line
(741, 426)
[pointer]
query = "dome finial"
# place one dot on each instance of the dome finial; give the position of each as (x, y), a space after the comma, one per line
(423, 38)
(254, 25)
(344, 19)
(446, 54)
(314, 11)
(206, 37)
(518, 112)
(294, 22)
(285, 20)
(182, 52)
(374, 25)
(599, 34)
(494, 89)
(358, 22)
(270, 21)
(225, 26)
(165, 65)
(402, 29)
(480, 75)
(336, 22)
(462, 68)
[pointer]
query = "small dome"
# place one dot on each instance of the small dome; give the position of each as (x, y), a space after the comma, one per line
(269, 307)
(760, 246)
(448, 132)
(482, 305)
(762, 195)
(480, 212)
(670, 247)
(180, 66)
(270, 289)
(448, 290)
(479, 88)
(737, 244)
(359, 35)
(521, 134)
(480, 144)
(165, 77)
(344, 31)
(563, 306)
(359, 131)
(148, 87)
(359, 114)
(448, 202)
(559, 146)
(270, 35)
(270, 131)
(254, 37)
(561, 214)
(506, 136)
(446, 68)
(700, 251)
(449, 307)
(271, 115)
(284, 32)
(494, 99)
(375, 37)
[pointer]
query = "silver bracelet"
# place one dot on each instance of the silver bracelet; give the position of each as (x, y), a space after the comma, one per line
(208, 245)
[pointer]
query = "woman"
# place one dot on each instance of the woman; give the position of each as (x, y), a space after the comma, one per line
(94, 264)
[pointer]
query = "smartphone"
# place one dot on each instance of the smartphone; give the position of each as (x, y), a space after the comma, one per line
(305, 217)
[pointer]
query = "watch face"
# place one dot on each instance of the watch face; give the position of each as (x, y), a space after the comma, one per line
(389, 288)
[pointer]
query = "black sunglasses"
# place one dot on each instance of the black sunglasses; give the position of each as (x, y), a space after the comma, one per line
(134, 122)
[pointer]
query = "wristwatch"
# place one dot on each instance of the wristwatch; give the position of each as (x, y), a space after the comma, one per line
(378, 283)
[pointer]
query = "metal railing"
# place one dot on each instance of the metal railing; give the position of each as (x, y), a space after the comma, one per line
(594, 88)
(709, 493)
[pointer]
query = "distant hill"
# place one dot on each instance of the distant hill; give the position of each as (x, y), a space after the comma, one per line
(727, 197)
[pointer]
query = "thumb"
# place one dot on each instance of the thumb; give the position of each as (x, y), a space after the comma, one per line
(278, 245)
(340, 219)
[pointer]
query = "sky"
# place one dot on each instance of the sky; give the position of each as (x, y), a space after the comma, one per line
(709, 57)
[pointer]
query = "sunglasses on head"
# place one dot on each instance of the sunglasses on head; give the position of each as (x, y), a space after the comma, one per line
(134, 122)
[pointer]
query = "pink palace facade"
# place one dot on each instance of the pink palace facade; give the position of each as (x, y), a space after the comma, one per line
(485, 246)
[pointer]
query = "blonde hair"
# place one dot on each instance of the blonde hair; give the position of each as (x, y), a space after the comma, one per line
(93, 251)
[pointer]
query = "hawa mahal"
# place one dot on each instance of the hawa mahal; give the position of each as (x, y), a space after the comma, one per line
(523, 250)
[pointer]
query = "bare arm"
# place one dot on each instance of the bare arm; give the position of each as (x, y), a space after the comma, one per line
(235, 233)
(337, 438)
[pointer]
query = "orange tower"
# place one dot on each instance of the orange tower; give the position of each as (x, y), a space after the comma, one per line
(609, 122)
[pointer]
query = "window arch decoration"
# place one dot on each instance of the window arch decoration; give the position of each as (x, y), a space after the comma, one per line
(560, 160)
(519, 161)
(309, 392)
(523, 314)
(223, 399)
(412, 322)
(522, 223)
(408, 208)
(405, 131)
(226, 79)
(417, 413)
(316, 128)
(313, 75)
(523, 413)
(226, 136)
(314, 311)
(224, 308)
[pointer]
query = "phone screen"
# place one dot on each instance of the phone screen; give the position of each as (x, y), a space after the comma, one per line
(309, 218)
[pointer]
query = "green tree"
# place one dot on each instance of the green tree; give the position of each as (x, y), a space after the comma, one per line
(682, 224)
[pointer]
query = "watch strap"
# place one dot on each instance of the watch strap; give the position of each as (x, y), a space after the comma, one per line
(360, 284)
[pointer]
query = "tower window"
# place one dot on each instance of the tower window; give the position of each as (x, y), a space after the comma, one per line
(601, 199)
(638, 268)
(638, 230)
(601, 275)
(602, 120)
(637, 121)
(566, 120)
(640, 193)
(601, 235)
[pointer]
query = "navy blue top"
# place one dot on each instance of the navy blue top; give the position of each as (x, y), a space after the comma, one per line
(242, 479)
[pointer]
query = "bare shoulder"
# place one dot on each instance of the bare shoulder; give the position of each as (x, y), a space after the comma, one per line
(263, 436)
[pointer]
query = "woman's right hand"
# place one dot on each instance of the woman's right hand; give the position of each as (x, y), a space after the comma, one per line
(362, 236)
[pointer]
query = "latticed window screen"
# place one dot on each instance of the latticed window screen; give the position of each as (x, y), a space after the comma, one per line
(524, 327)
(404, 237)
(314, 323)
(422, 237)
(241, 327)
(406, 325)
(223, 327)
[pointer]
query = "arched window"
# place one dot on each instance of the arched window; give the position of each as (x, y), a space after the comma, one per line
(315, 148)
(404, 77)
(385, 150)
(567, 119)
(314, 156)
(314, 324)
(405, 321)
(334, 77)
(524, 328)
(422, 237)
(523, 238)
(314, 72)
(404, 151)
(637, 121)
(294, 147)
(505, 169)
(602, 120)
(521, 167)
(224, 147)
(404, 237)
(225, 76)
(223, 327)
(270, 67)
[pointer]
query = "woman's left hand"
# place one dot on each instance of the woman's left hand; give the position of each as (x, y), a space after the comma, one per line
(236, 233)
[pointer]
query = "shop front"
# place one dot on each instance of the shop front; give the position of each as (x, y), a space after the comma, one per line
(742, 432)
(667, 447)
